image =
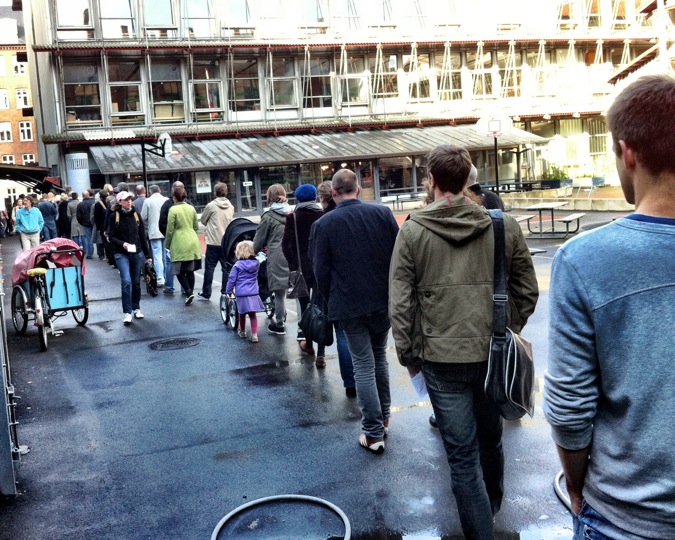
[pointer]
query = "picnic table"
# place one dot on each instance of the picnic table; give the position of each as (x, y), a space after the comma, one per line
(551, 207)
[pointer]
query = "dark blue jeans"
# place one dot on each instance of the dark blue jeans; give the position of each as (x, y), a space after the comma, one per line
(472, 435)
(130, 266)
(212, 257)
(367, 340)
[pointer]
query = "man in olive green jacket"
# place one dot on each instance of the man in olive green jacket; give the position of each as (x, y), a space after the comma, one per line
(442, 271)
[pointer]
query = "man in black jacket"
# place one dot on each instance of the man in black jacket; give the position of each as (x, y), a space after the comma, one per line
(352, 247)
(83, 214)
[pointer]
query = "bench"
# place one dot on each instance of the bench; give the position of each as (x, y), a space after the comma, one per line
(527, 218)
(536, 251)
(398, 199)
(569, 219)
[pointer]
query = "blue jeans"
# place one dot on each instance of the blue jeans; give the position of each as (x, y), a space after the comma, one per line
(87, 242)
(591, 525)
(472, 435)
(344, 357)
(49, 231)
(367, 340)
(157, 247)
(168, 276)
(130, 266)
(212, 257)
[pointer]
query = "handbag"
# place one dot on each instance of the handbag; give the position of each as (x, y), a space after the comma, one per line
(151, 279)
(315, 325)
(297, 286)
(509, 382)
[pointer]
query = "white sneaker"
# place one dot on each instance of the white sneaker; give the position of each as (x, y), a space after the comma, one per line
(138, 314)
(127, 318)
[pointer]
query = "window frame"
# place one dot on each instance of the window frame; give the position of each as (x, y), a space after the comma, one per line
(126, 117)
(26, 131)
(273, 81)
(309, 99)
(74, 108)
(8, 159)
(177, 83)
(25, 161)
(4, 99)
(23, 98)
(255, 100)
(186, 18)
(170, 31)
(6, 132)
(133, 19)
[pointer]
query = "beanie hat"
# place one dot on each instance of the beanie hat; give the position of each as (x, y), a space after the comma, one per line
(305, 192)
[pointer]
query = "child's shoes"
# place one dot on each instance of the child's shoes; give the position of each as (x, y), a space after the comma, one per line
(254, 338)
(242, 334)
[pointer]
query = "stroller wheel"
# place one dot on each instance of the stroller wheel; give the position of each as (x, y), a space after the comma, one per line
(223, 308)
(269, 306)
(232, 314)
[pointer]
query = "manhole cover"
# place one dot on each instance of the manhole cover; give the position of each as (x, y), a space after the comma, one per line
(174, 344)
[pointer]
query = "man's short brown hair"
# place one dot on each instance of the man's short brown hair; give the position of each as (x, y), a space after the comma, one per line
(450, 166)
(220, 189)
(345, 181)
(642, 116)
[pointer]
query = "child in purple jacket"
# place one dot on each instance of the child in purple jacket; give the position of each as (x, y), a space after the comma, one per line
(243, 281)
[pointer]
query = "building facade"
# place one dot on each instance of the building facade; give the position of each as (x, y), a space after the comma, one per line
(18, 136)
(241, 72)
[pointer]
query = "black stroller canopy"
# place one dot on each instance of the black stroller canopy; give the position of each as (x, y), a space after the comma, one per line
(239, 229)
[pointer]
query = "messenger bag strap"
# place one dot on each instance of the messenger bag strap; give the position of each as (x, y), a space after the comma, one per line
(500, 296)
(297, 242)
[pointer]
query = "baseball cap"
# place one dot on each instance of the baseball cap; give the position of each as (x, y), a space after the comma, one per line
(123, 195)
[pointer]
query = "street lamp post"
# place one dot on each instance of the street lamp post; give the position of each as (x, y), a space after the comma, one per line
(161, 149)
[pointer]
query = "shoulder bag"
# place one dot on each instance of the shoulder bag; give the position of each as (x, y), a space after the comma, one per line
(510, 376)
(297, 286)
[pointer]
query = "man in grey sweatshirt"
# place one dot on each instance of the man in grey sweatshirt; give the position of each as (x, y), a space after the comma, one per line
(610, 385)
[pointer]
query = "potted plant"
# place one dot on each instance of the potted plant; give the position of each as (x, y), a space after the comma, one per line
(555, 177)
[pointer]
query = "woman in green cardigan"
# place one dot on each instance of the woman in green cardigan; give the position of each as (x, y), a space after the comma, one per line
(183, 242)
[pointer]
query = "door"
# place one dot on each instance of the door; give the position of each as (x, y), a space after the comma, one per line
(248, 192)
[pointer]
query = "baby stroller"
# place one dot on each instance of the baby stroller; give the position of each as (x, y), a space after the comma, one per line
(238, 230)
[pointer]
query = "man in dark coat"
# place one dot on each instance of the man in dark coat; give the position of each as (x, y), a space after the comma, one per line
(83, 214)
(488, 199)
(49, 213)
(352, 249)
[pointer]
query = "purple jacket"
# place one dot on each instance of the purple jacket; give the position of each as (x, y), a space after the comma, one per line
(244, 277)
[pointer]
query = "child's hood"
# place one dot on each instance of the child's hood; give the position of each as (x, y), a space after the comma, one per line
(249, 265)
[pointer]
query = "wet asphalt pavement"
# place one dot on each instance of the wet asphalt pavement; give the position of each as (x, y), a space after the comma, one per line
(133, 439)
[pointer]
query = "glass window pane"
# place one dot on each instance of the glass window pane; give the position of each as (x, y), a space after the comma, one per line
(73, 13)
(80, 73)
(206, 70)
(167, 91)
(283, 67)
(119, 9)
(201, 28)
(246, 95)
(245, 68)
(199, 8)
(207, 95)
(161, 71)
(284, 93)
(81, 94)
(158, 13)
(125, 98)
(124, 71)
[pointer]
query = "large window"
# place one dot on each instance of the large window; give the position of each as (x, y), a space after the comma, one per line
(509, 72)
(199, 19)
(417, 71)
(353, 81)
(316, 87)
(167, 92)
(384, 72)
(81, 93)
(22, 99)
(287, 176)
(207, 104)
(237, 19)
(25, 131)
(27, 159)
(480, 64)
(395, 175)
(74, 19)
(282, 92)
(8, 159)
(126, 101)
(5, 132)
(245, 93)
(159, 19)
(117, 18)
(449, 75)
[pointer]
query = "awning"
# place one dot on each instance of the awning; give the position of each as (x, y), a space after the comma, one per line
(266, 151)
(640, 61)
(33, 177)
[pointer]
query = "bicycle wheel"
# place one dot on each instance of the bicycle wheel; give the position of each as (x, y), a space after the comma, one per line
(42, 320)
(81, 315)
(232, 314)
(19, 315)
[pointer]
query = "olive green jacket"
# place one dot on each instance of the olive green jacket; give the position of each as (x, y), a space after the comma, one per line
(441, 283)
(181, 233)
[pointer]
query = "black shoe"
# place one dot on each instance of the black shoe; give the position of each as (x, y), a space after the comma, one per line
(276, 328)
(350, 391)
(189, 299)
(301, 336)
(432, 422)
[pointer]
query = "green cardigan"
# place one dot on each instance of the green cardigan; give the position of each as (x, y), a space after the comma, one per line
(181, 233)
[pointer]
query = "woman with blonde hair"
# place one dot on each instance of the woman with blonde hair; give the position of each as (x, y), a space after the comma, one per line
(270, 234)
